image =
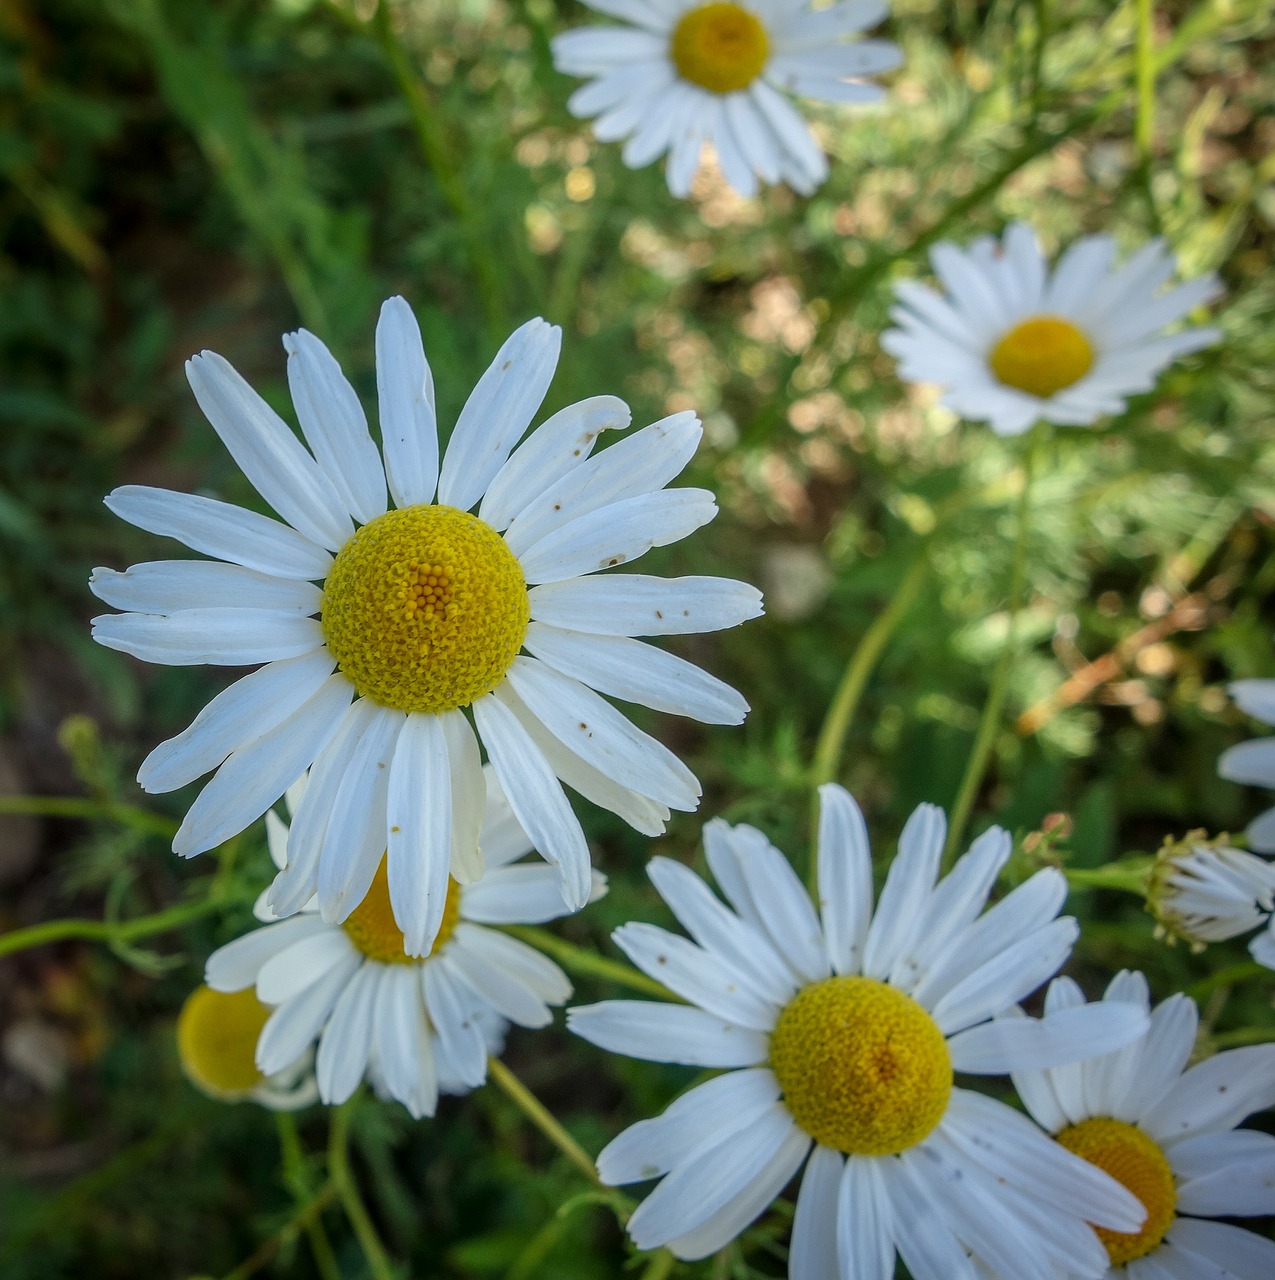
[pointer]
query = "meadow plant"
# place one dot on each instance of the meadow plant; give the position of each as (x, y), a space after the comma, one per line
(951, 326)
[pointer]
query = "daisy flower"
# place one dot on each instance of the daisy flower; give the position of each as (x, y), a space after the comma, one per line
(1168, 1135)
(1012, 343)
(413, 1027)
(216, 1042)
(1205, 891)
(1253, 763)
(386, 624)
(683, 73)
(839, 1033)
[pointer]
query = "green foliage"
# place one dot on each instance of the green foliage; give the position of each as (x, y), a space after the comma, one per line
(179, 176)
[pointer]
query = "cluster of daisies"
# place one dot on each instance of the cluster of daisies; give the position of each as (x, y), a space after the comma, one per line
(437, 634)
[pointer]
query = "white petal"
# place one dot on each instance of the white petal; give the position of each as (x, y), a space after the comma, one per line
(599, 734)
(169, 586)
(845, 878)
(419, 830)
(617, 534)
(813, 1252)
(554, 449)
(632, 604)
(289, 972)
(925, 1241)
(1165, 1053)
(997, 1048)
(504, 991)
(235, 966)
(1249, 762)
(293, 1026)
(520, 895)
(1215, 1094)
(1255, 698)
(400, 1034)
(405, 396)
(533, 970)
(1226, 1175)
(637, 672)
(865, 1222)
(221, 530)
(273, 459)
(667, 1033)
(498, 411)
(453, 1009)
(469, 797)
(334, 425)
(1245, 1255)
(346, 1043)
(253, 777)
(223, 637)
(234, 719)
(908, 884)
(536, 797)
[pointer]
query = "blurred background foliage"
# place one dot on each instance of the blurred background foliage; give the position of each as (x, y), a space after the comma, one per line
(175, 176)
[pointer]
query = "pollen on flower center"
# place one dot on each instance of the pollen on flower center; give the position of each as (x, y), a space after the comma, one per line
(1137, 1163)
(217, 1034)
(720, 47)
(1042, 355)
(372, 928)
(425, 608)
(863, 1067)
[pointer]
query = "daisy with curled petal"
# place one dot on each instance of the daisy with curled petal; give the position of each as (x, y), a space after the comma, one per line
(1012, 342)
(840, 1032)
(1169, 1135)
(413, 1027)
(424, 608)
(684, 73)
(1253, 763)
(217, 1040)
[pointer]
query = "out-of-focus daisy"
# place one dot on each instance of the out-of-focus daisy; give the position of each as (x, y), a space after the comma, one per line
(841, 1033)
(1012, 342)
(1204, 890)
(685, 73)
(424, 612)
(216, 1042)
(413, 1027)
(1169, 1136)
(1253, 762)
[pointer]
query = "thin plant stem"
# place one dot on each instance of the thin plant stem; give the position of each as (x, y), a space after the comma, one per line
(1245, 971)
(91, 810)
(989, 723)
(1242, 1036)
(305, 1217)
(347, 1188)
(297, 1179)
(110, 931)
(540, 1116)
(434, 147)
(840, 714)
(1144, 60)
(587, 963)
(1127, 876)
(659, 1267)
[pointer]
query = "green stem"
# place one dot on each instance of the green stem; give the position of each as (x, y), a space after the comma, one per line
(1245, 971)
(305, 1218)
(297, 1179)
(347, 1188)
(587, 963)
(111, 931)
(840, 713)
(659, 1267)
(985, 737)
(92, 810)
(433, 146)
(1242, 1036)
(1144, 78)
(1129, 876)
(539, 1115)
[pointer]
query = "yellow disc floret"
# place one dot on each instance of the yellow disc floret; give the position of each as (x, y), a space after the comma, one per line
(373, 929)
(720, 47)
(863, 1067)
(1137, 1163)
(1042, 355)
(425, 608)
(217, 1034)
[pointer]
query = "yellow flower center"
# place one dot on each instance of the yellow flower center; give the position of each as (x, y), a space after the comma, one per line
(425, 609)
(863, 1067)
(720, 47)
(373, 929)
(217, 1034)
(1042, 355)
(1136, 1162)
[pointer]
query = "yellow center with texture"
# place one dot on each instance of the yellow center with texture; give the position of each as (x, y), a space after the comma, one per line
(372, 928)
(1137, 1163)
(425, 609)
(720, 47)
(863, 1068)
(217, 1033)
(1042, 355)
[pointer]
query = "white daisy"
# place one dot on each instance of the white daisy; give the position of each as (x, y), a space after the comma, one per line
(685, 73)
(216, 1042)
(841, 1032)
(1169, 1136)
(1012, 342)
(1253, 763)
(424, 612)
(1204, 890)
(414, 1027)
